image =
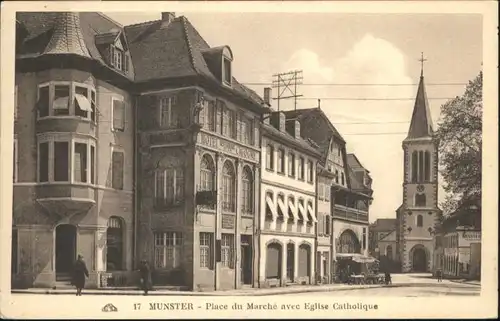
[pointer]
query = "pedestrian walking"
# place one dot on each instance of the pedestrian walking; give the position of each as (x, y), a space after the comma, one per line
(80, 272)
(439, 275)
(145, 273)
(388, 279)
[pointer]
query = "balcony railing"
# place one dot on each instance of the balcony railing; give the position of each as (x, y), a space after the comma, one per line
(341, 211)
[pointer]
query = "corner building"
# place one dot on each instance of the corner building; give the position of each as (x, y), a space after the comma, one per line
(132, 143)
(287, 220)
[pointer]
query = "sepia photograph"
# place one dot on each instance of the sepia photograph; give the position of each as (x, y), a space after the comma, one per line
(268, 154)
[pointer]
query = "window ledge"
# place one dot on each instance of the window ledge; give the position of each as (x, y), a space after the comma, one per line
(88, 120)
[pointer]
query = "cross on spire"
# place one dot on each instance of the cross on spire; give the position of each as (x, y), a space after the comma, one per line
(422, 59)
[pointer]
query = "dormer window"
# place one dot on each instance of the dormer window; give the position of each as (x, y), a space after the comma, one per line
(227, 72)
(118, 57)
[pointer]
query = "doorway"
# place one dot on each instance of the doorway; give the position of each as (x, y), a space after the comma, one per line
(65, 249)
(290, 262)
(246, 259)
(419, 263)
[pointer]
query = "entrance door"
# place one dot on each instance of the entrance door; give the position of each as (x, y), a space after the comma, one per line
(246, 259)
(65, 248)
(419, 260)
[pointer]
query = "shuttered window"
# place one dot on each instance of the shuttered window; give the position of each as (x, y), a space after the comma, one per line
(118, 159)
(118, 115)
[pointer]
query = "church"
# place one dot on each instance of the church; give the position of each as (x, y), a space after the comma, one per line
(418, 215)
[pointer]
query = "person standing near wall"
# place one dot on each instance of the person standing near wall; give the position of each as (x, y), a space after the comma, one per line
(80, 272)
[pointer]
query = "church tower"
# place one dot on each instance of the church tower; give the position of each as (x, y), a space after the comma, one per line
(418, 216)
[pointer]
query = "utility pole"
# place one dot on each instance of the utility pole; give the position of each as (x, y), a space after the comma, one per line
(286, 85)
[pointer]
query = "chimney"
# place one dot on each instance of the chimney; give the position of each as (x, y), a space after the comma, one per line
(167, 18)
(267, 95)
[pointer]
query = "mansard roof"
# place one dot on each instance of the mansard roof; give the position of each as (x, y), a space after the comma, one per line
(421, 122)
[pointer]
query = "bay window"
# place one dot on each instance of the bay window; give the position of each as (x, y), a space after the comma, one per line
(65, 158)
(61, 99)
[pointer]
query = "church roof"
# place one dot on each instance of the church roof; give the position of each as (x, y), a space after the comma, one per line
(383, 224)
(421, 122)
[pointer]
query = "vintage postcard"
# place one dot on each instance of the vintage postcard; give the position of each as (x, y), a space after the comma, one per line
(249, 160)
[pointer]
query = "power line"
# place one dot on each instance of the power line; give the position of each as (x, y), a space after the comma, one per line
(375, 99)
(360, 84)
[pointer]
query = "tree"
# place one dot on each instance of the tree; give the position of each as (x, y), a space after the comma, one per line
(460, 139)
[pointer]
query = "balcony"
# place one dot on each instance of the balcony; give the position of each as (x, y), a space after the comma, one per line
(349, 213)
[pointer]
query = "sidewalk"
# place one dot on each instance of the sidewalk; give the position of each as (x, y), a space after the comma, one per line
(239, 292)
(465, 281)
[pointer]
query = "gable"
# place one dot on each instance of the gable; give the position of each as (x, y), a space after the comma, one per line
(118, 44)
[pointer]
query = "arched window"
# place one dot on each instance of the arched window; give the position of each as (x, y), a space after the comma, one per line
(228, 187)
(414, 166)
(420, 221)
(114, 244)
(247, 191)
(207, 174)
(427, 171)
(420, 200)
(348, 243)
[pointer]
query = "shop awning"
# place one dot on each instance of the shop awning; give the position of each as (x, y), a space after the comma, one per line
(282, 207)
(292, 207)
(270, 204)
(311, 213)
(302, 211)
(356, 257)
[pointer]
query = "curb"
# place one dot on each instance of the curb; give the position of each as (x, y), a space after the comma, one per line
(229, 293)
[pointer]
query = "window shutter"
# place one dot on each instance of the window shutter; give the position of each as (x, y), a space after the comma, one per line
(117, 173)
(111, 55)
(125, 62)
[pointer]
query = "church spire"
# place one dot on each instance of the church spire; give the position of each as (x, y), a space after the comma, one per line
(421, 122)
(67, 36)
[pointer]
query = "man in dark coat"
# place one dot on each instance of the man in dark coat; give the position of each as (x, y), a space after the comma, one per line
(80, 272)
(439, 275)
(145, 273)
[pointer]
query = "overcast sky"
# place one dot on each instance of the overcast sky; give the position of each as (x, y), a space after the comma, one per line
(352, 49)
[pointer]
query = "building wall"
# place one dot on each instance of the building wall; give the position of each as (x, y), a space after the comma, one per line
(36, 224)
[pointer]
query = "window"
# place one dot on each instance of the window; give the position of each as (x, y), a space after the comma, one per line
(118, 115)
(207, 116)
(420, 220)
(327, 224)
(337, 176)
(168, 248)
(15, 162)
(117, 161)
(80, 166)
(321, 191)
(270, 157)
(291, 208)
(281, 160)
(427, 166)
(227, 71)
(301, 211)
(166, 116)
(61, 100)
(245, 130)
(118, 59)
(14, 260)
(228, 123)
(114, 244)
(61, 161)
(342, 179)
(228, 187)
(388, 252)
(82, 103)
(227, 250)
(310, 171)
(43, 101)
(269, 210)
(301, 168)
(281, 209)
(207, 175)
(43, 162)
(420, 200)
(247, 191)
(327, 192)
(169, 187)
(291, 164)
(206, 257)
(92, 164)
(414, 166)
(92, 104)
